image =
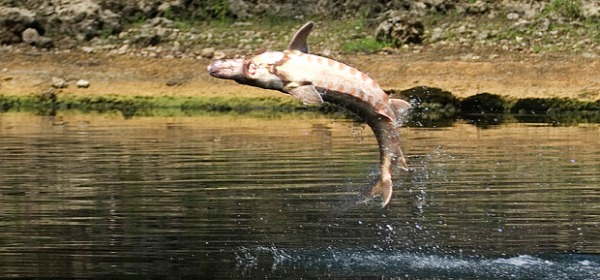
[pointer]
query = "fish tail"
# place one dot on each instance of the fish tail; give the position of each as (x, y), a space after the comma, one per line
(382, 187)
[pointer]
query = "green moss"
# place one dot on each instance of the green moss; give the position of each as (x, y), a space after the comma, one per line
(148, 106)
(483, 103)
(365, 45)
(431, 107)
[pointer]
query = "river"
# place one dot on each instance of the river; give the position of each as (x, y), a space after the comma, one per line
(231, 196)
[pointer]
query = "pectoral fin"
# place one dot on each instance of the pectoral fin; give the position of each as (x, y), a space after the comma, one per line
(400, 107)
(307, 93)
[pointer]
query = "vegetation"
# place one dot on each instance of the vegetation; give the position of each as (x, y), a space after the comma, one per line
(364, 45)
(570, 9)
(147, 105)
(432, 106)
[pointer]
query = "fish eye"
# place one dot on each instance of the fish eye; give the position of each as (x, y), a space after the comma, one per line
(251, 68)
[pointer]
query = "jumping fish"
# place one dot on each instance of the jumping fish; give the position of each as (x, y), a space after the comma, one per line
(315, 79)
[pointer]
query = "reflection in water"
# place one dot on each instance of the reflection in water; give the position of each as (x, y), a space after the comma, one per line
(231, 196)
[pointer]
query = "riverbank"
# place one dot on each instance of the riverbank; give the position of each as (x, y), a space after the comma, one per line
(30, 71)
(443, 86)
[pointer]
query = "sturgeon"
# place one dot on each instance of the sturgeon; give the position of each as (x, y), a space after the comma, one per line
(315, 79)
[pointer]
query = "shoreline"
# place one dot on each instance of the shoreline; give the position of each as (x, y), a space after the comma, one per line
(119, 81)
(511, 75)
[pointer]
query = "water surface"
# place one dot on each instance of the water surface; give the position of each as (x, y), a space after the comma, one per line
(238, 196)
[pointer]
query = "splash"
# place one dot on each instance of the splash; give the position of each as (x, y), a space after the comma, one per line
(337, 262)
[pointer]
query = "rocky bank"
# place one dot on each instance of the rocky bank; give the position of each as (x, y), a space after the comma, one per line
(183, 28)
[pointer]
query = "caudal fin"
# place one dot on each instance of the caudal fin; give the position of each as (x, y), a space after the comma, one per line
(381, 188)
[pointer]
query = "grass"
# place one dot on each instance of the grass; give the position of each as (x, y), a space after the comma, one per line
(364, 45)
(570, 9)
(431, 105)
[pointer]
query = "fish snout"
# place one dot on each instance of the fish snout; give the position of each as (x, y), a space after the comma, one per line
(226, 68)
(214, 67)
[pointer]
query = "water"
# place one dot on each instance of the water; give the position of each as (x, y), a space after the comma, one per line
(237, 196)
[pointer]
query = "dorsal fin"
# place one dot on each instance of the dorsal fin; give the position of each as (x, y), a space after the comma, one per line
(299, 40)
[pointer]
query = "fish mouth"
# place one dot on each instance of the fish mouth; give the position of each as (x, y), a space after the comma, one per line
(226, 68)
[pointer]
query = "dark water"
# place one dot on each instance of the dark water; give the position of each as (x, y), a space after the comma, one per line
(233, 196)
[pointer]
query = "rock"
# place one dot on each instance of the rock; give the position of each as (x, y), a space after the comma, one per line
(85, 19)
(30, 36)
(207, 52)
(59, 83)
(145, 40)
(513, 16)
(152, 32)
(590, 9)
(239, 9)
(83, 83)
(13, 21)
(123, 49)
(349, 8)
(219, 55)
(400, 31)
(174, 82)
(525, 9)
(437, 34)
(45, 42)
(477, 7)
(172, 8)
(158, 21)
(88, 49)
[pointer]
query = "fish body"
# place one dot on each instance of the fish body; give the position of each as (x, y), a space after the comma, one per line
(315, 79)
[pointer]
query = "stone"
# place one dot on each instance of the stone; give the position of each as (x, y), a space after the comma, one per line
(513, 16)
(88, 49)
(83, 83)
(477, 7)
(83, 19)
(45, 42)
(123, 49)
(174, 82)
(30, 36)
(400, 31)
(207, 52)
(13, 21)
(590, 9)
(219, 54)
(437, 34)
(59, 82)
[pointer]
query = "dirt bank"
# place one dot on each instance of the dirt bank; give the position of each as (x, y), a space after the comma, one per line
(517, 75)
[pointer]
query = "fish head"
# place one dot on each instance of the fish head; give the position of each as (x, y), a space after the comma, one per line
(227, 68)
(259, 71)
